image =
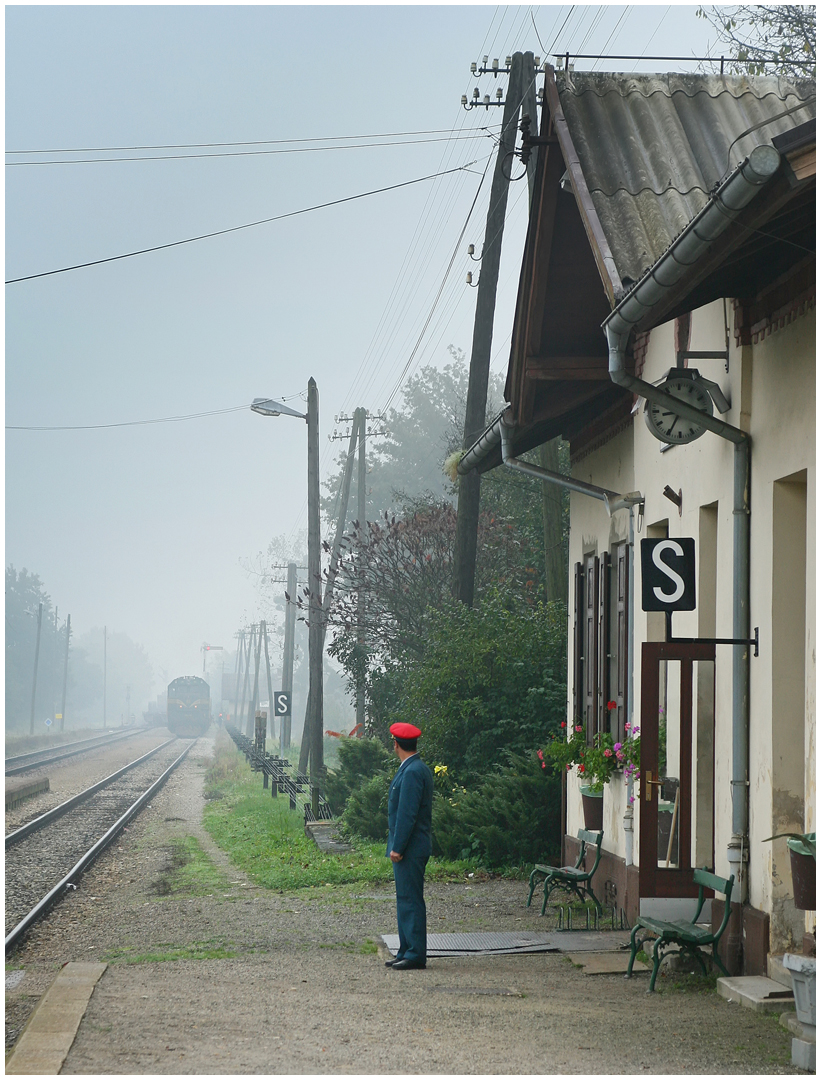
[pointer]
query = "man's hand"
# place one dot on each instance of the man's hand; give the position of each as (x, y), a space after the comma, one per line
(396, 857)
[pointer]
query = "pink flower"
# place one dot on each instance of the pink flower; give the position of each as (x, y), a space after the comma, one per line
(608, 753)
(617, 747)
(626, 727)
(543, 765)
(568, 767)
(540, 755)
(620, 755)
(578, 727)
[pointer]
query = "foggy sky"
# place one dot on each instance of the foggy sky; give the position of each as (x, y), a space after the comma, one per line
(145, 529)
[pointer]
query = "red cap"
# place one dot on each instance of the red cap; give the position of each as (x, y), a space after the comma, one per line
(404, 731)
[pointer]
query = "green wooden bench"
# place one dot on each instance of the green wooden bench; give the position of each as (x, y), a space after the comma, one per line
(691, 936)
(572, 879)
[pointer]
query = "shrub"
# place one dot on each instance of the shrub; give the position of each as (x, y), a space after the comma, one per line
(366, 811)
(512, 817)
(360, 760)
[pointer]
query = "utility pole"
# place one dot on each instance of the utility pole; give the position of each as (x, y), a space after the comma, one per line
(362, 518)
(65, 676)
(36, 663)
(467, 514)
(555, 570)
(254, 699)
(359, 422)
(315, 636)
(105, 673)
(288, 657)
(247, 676)
(270, 687)
(240, 660)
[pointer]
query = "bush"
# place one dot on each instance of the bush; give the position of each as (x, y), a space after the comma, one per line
(360, 760)
(511, 818)
(366, 811)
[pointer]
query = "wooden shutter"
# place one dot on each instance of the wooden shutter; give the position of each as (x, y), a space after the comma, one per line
(578, 642)
(603, 667)
(591, 652)
(619, 716)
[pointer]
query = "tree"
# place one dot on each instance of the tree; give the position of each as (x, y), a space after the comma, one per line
(407, 462)
(767, 40)
(24, 593)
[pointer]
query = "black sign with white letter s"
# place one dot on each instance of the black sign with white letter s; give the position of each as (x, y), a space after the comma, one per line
(282, 703)
(668, 574)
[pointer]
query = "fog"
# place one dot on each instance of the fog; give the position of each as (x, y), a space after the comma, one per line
(150, 532)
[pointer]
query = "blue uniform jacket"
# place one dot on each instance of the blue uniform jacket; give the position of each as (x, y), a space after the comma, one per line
(410, 808)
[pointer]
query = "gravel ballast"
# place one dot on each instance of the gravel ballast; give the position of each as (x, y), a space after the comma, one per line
(245, 980)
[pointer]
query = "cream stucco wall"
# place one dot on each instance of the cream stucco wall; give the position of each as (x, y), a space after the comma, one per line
(771, 390)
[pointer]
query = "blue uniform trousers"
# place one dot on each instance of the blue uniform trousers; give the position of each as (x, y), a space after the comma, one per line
(411, 914)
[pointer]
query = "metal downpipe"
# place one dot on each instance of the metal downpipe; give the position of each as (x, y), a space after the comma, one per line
(727, 202)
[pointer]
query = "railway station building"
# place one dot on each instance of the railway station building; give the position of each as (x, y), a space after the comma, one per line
(665, 327)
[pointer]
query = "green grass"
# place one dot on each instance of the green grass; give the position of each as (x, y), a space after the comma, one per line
(191, 872)
(198, 950)
(266, 839)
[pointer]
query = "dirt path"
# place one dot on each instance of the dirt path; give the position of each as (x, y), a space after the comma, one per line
(240, 980)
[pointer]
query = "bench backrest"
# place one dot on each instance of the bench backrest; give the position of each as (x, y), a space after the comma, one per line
(589, 839)
(705, 880)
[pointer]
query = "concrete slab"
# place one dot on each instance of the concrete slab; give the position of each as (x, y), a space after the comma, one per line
(756, 992)
(790, 1021)
(777, 971)
(18, 790)
(47, 1038)
(325, 834)
(605, 963)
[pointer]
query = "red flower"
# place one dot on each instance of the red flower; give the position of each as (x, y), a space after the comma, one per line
(581, 768)
(612, 705)
(563, 724)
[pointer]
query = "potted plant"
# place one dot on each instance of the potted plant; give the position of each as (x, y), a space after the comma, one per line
(802, 865)
(595, 765)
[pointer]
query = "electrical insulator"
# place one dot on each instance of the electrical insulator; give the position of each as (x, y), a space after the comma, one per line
(471, 249)
(476, 94)
(464, 99)
(495, 65)
(487, 99)
(508, 61)
(469, 278)
(537, 61)
(499, 94)
(473, 68)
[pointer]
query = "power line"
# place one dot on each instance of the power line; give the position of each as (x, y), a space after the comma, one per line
(235, 228)
(245, 142)
(127, 423)
(245, 153)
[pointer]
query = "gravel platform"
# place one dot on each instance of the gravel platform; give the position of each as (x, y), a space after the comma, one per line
(244, 980)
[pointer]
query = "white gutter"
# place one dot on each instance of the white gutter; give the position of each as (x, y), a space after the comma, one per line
(723, 208)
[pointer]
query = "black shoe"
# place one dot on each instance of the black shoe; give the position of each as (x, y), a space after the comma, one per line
(390, 963)
(406, 965)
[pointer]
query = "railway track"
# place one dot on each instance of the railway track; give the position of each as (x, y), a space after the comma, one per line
(33, 760)
(47, 860)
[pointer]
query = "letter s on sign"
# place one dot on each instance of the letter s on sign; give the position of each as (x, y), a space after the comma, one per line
(676, 579)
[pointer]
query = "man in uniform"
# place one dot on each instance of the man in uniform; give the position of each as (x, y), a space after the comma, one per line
(410, 807)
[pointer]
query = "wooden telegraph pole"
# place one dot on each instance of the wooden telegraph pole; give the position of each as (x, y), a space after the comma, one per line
(362, 518)
(36, 663)
(65, 676)
(314, 734)
(467, 514)
(288, 656)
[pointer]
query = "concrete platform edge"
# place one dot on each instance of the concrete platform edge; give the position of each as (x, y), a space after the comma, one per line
(47, 1037)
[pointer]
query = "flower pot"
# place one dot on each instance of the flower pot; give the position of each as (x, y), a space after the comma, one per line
(802, 864)
(593, 807)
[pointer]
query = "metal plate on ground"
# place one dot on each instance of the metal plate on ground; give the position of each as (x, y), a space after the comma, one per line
(519, 942)
(476, 944)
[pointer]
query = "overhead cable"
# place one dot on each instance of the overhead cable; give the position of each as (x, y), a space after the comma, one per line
(235, 228)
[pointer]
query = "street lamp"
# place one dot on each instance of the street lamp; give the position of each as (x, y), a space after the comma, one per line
(269, 407)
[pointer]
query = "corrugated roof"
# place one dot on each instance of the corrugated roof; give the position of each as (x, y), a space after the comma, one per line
(652, 147)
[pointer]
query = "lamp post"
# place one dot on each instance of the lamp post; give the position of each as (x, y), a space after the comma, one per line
(268, 407)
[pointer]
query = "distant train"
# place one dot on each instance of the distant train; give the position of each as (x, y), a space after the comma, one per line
(189, 707)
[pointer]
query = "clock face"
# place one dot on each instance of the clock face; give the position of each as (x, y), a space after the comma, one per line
(663, 420)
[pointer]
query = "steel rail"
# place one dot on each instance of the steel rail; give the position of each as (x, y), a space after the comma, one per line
(54, 895)
(56, 812)
(22, 762)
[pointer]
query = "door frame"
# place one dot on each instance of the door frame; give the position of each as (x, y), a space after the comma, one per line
(655, 882)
